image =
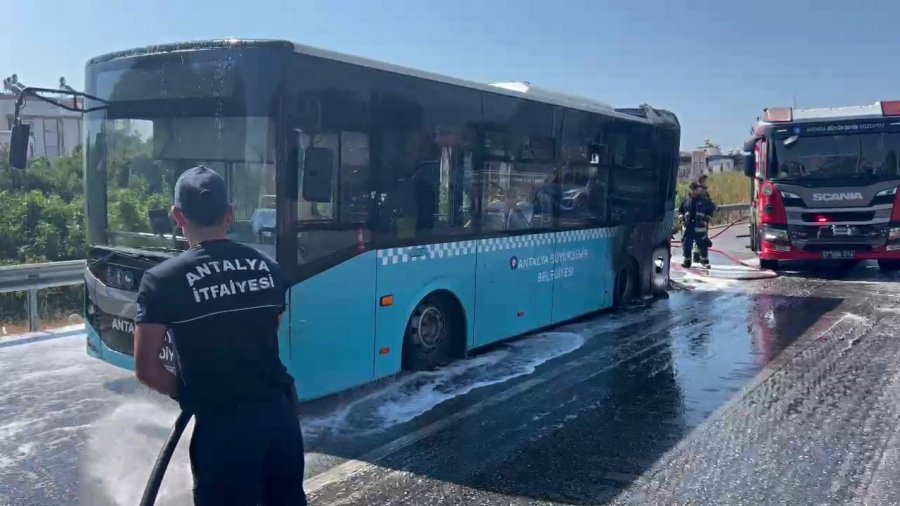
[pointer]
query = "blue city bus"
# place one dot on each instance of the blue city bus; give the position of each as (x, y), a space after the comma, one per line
(418, 217)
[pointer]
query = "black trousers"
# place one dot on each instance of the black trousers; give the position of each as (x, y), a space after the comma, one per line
(248, 456)
(691, 237)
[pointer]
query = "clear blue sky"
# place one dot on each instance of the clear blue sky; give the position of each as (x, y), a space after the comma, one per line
(714, 63)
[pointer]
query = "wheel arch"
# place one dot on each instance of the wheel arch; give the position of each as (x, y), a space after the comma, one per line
(459, 317)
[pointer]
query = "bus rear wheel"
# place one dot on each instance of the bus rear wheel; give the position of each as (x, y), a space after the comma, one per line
(626, 284)
(428, 342)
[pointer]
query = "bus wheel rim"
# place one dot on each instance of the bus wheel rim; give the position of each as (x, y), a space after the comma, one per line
(429, 328)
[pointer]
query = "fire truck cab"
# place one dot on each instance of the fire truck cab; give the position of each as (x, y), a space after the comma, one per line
(824, 184)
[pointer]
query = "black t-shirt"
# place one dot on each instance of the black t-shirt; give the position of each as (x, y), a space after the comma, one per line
(220, 301)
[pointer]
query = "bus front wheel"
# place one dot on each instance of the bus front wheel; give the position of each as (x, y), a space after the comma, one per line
(429, 335)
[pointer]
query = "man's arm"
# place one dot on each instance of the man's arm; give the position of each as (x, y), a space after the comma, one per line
(148, 367)
(151, 322)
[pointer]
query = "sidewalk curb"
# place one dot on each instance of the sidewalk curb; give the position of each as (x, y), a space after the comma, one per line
(43, 335)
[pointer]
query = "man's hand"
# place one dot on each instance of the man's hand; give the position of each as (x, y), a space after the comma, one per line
(148, 366)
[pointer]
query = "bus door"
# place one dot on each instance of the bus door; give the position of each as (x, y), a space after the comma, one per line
(332, 311)
(582, 257)
(426, 219)
(514, 279)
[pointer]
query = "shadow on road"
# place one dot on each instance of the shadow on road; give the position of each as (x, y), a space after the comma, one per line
(594, 420)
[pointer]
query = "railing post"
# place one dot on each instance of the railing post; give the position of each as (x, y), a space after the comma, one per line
(33, 322)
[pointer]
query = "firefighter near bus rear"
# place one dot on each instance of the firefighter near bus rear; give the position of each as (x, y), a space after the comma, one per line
(694, 214)
(221, 303)
(703, 181)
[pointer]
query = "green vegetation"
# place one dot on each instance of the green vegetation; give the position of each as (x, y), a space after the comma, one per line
(43, 211)
(42, 220)
(725, 188)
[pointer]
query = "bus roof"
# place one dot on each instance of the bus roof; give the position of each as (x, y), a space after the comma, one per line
(645, 114)
(515, 89)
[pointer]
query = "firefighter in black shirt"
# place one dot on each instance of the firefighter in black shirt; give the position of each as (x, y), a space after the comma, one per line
(221, 303)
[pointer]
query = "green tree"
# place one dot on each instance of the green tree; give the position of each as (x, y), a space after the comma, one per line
(43, 210)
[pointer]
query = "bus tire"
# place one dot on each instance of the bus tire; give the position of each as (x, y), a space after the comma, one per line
(429, 339)
(771, 265)
(626, 285)
(889, 265)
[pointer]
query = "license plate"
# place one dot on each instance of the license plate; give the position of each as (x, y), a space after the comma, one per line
(837, 255)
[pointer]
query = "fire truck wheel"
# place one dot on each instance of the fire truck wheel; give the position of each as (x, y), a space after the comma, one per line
(771, 265)
(889, 265)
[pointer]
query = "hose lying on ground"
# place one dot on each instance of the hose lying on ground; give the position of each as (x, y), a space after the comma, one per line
(720, 232)
(162, 461)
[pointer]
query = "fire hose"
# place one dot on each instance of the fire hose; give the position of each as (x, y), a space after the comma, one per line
(162, 461)
(720, 232)
(717, 234)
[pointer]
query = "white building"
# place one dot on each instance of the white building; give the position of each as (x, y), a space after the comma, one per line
(707, 159)
(55, 131)
(684, 165)
(720, 163)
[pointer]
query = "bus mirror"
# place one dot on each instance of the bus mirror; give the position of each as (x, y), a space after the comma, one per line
(318, 172)
(18, 145)
(790, 141)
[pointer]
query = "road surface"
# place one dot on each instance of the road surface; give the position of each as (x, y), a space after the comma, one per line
(774, 391)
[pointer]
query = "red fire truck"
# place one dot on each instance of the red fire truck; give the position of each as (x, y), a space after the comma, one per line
(824, 184)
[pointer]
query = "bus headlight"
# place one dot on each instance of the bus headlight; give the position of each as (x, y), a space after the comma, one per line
(773, 234)
(894, 234)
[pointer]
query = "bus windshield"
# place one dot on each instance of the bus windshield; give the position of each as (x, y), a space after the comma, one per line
(863, 157)
(142, 159)
(167, 113)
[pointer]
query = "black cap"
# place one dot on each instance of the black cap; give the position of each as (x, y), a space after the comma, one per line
(201, 195)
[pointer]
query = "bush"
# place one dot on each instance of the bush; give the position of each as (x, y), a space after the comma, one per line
(729, 188)
(35, 227)
(725, 188)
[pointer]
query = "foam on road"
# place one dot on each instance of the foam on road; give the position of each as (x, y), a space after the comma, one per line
(74, 427)
(418, 393)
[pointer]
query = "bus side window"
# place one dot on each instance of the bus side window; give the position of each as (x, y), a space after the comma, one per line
(633, 175)
(335, 226)
(584, 176)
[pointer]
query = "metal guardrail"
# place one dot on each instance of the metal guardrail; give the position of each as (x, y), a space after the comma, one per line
(33, 277)
(733, 207)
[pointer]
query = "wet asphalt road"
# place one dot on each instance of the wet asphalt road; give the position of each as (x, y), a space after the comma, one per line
(777, 391)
